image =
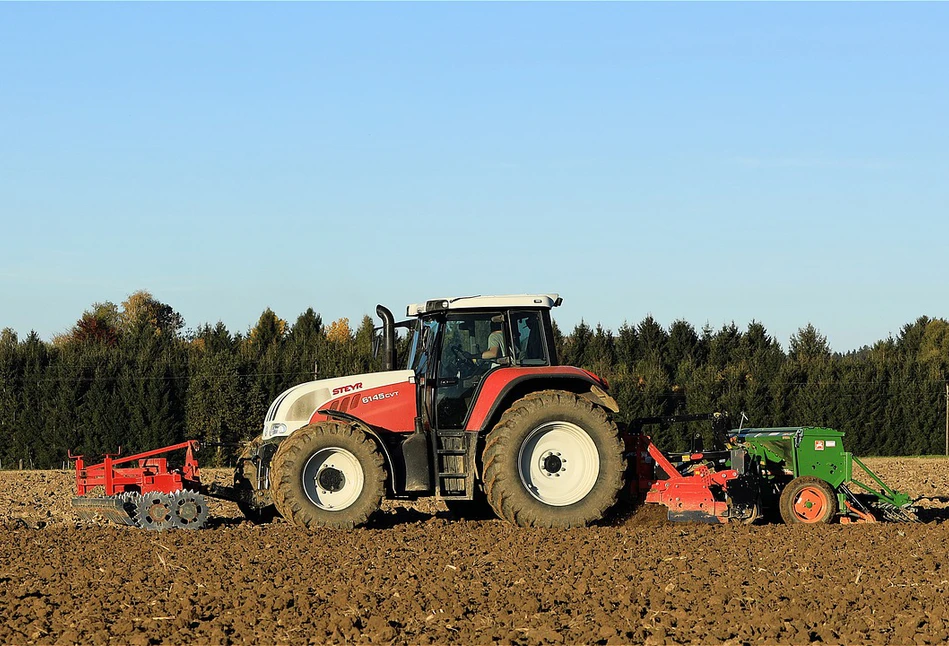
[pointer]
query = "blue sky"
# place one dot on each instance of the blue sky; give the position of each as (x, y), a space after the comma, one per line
(711, 162)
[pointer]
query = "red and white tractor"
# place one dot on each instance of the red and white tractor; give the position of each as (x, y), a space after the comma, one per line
(476, 426)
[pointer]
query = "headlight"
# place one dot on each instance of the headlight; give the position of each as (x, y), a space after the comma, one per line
(275, 429)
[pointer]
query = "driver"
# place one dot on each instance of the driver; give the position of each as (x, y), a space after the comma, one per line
(495, 340)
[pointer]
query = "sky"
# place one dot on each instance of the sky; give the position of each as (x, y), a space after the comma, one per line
(785, 163)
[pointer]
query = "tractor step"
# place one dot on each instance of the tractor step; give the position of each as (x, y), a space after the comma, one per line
(454, 462)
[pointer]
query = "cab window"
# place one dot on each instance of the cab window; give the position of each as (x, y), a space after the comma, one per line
(529, 343)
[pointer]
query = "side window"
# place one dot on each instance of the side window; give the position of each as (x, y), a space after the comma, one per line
(529, 345)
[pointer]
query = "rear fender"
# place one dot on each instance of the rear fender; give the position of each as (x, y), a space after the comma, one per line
(503, 386)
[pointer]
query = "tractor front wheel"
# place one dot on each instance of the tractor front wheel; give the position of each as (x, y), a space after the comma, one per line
(328, 474)
(808, 500)
(553, 460)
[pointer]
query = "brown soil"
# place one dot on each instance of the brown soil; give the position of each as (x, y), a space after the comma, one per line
(416, 576)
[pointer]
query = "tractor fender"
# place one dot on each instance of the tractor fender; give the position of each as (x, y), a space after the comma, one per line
(502, 386)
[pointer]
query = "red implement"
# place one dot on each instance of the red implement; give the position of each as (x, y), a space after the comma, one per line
(696, 493)
(142, 490)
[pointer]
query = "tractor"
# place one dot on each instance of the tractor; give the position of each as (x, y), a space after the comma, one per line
(479, 414)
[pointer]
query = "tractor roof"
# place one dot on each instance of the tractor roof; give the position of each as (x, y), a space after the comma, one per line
(528, 301)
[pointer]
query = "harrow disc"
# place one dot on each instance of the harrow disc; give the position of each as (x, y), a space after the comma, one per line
(189, 510)
(155, 511)
(130, 506)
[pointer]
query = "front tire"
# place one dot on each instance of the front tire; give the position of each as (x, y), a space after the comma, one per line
(328, 474)
(553, 460)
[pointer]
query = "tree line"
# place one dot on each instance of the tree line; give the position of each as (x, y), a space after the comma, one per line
(129, 375)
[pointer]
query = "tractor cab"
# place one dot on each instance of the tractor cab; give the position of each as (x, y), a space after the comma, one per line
(450, 328)
(455, 343)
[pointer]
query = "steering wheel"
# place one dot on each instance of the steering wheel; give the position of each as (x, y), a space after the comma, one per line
(466, 363)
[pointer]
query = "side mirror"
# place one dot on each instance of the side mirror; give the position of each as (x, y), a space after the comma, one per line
(376, 342)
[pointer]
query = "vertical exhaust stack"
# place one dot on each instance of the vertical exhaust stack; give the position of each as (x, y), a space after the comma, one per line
(388, 337)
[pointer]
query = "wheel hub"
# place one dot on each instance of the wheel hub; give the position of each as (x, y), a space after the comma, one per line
(331, 479)
(552, 463)
(188, 510)
(810, 504)
(157, 512)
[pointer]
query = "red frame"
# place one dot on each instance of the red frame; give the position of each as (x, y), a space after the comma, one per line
(151, 474)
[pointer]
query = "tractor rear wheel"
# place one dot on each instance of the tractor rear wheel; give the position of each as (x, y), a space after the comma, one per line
(808, 500)
(553, 460)
(328, 474)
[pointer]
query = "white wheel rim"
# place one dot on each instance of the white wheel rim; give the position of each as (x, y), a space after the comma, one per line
(558, 463)
(333, 479)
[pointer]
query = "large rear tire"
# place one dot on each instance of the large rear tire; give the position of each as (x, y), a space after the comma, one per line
(553, 460)
(808, 500)
(329, 474)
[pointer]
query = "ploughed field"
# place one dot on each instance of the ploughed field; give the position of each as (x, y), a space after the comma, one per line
(417, 576)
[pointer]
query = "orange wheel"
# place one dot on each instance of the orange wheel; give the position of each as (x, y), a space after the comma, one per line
(808, 500)
(809, 504)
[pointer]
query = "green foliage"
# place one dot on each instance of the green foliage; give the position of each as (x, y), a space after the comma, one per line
(126, 376)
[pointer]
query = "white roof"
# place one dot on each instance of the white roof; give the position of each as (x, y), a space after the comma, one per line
(532, 301)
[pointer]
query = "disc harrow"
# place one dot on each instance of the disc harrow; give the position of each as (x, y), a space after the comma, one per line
(142, 491)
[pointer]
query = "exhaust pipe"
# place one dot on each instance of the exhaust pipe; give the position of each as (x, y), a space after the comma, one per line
(388, 337)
